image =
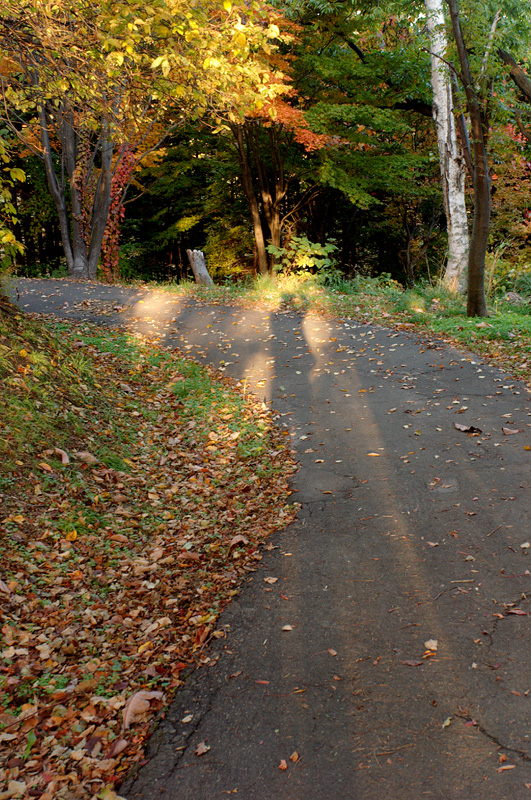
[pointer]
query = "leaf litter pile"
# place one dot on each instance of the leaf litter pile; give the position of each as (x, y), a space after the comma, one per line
(136, 488)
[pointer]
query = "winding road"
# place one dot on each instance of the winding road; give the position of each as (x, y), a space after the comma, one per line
(382, 650)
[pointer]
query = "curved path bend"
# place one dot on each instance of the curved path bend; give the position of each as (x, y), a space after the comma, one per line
(410, 532)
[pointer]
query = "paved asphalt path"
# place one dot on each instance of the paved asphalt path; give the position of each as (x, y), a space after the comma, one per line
(409, 530)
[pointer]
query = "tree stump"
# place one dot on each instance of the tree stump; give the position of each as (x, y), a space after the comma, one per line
(199, 268)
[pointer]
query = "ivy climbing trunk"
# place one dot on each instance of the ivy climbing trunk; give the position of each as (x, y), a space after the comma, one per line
(451, 161)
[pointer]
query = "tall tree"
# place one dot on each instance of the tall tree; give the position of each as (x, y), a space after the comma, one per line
(452, 164)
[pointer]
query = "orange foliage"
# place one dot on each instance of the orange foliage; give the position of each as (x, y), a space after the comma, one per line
(280, 112)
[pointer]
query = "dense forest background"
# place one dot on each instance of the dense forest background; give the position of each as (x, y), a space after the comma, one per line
(334, 168)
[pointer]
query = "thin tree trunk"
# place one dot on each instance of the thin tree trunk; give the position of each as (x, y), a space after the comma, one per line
(476, 302)
(450, 159)
(80, 267)
(247, 184)
(57, 191)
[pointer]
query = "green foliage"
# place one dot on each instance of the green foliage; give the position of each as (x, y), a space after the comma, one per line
(306, 258)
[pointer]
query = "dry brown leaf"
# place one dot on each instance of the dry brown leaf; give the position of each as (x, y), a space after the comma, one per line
(236, 540)
(137, 704)
(508, 431)
(332, 651)
(202, 748)
(294, 757)
(270, 580)
(85, 457)
(4, 587)
(283, 764)
(64, 456)
(118, 746)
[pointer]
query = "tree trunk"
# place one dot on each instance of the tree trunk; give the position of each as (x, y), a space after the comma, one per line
(247, 183)
(57, 191)
(102, 202)
(199, 268)
(450, 160)
(476, 302)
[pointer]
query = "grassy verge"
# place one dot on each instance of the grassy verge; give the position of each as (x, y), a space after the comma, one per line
(136, 489)
(504, 338)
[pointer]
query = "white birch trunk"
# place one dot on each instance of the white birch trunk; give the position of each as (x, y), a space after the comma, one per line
(199, 268)
(450, 158)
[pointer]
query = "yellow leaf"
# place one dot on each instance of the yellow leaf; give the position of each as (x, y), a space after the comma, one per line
(144, 647)
(227, 5)
(23, 353)
(71, 536)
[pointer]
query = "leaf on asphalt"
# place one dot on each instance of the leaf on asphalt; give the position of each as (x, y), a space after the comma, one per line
(270, 580)
(202, 748)
(283, 764)
(410, 662)
(332, 651)
(294, 757)
(236, 540)
(447, 722)
(65, 459)
(85, 457)
(431, 644)
(517, 611)
(508, 431)
(467, 428)
(138, 704)
(506, 767)
(525, 545)
(287, 627)
(375, 455)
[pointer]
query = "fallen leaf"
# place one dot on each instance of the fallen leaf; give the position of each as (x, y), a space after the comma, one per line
(332, 651)
(467, 428)
(508, 431)
(525, 545)
(447, 722)
(376, 455)
(137, 704)
(283, 764)
(518, 611)
(431, 644)
(287, 627)
(64, 456)
(236, 540)
(118, 746)
(294, 757)
(270, 580)
(506, 766)
(202, 748)
(263, 683)
(410, 662)
(4, 587)
(187, 718)
(85, 457)
(46, 467)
